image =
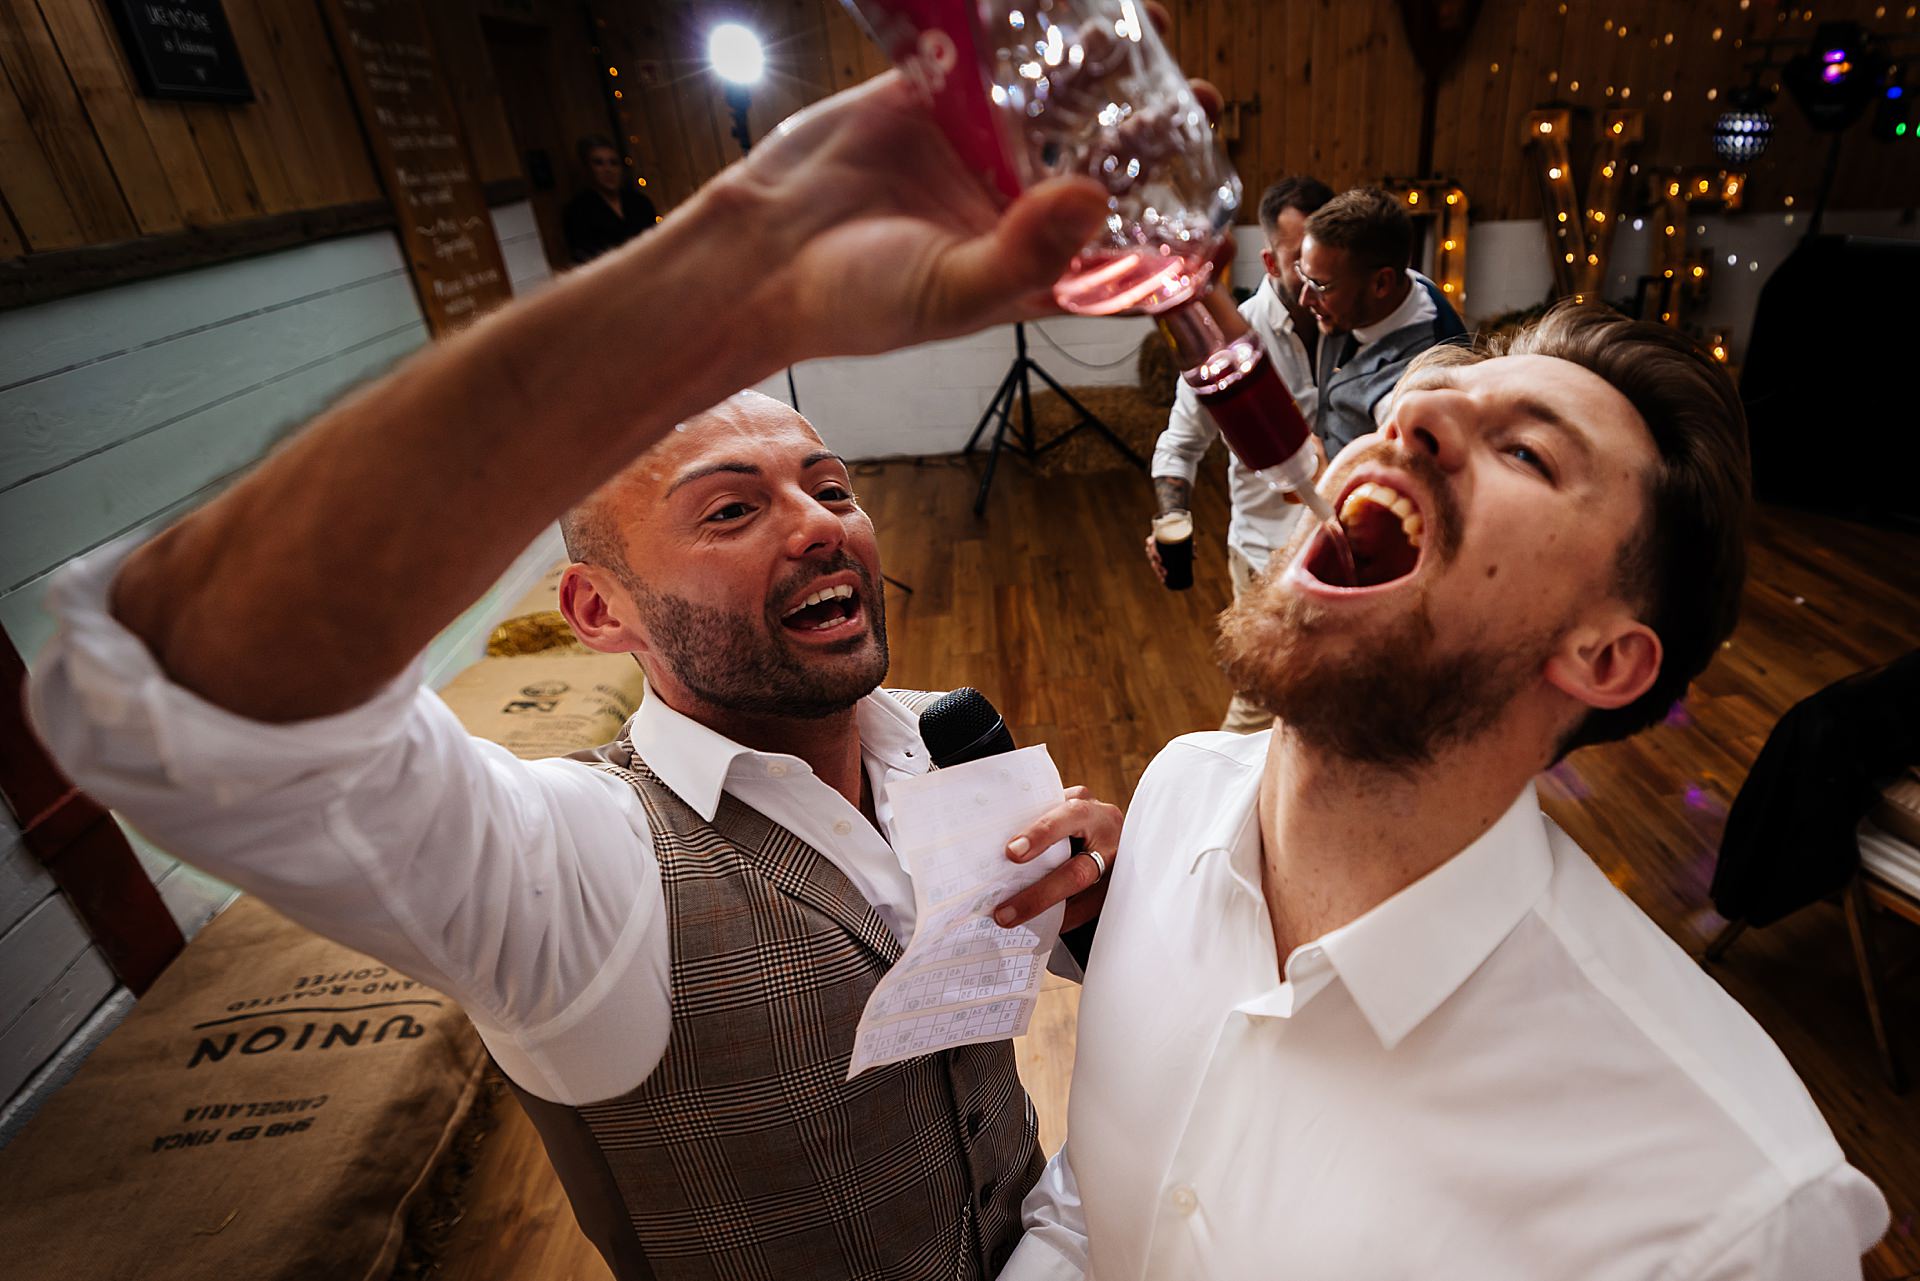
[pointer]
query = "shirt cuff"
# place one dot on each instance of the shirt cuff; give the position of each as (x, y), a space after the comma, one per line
(1034, 1259)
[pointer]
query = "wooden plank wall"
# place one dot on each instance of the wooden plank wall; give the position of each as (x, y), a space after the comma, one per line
(85, 160)
(121, 409)
(1330, 87)
(1325, 86)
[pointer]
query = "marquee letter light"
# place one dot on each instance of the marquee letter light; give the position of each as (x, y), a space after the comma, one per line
(1580, 232)
(1444, 203)
(1679, 276)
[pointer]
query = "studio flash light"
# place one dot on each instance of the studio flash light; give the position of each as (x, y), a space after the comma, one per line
(736, 56)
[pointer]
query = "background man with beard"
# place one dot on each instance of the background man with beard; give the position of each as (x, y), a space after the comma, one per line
(1357, 1009)
(666, 946)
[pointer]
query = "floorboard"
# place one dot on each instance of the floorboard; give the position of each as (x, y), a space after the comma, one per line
(1047, 606)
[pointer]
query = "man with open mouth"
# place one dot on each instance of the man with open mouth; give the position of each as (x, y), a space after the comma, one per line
(667, 944)
(1357, 1008)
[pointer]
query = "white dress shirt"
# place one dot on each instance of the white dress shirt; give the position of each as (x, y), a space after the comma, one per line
(1262, 518)
(1505, 1071)
(1416, 308)
(526, 890)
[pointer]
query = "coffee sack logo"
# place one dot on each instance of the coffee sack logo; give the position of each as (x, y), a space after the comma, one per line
(541, 696)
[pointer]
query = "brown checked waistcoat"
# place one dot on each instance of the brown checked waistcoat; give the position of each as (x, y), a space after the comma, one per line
(747, 1153)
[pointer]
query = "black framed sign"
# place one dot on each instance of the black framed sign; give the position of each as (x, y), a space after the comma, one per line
(182, 49)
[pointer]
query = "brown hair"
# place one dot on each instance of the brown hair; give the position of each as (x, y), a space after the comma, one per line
(1295, 191)
(1367, 223)
(594, 142)
(1683, 568)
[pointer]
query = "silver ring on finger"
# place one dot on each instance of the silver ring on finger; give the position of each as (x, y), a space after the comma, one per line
(1098, 862)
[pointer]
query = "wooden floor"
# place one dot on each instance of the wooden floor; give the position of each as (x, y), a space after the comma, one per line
(1047, 606)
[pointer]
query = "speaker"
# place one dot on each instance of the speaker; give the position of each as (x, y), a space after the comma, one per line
(1830, 380)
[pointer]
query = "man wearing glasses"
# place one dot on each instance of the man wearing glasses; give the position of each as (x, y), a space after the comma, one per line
(1354, 277)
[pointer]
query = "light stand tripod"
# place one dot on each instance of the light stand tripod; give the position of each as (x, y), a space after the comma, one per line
(1023, 442)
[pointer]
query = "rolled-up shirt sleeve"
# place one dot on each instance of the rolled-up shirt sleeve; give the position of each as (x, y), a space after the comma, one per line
(527, 890)
(1816, 1233)
(1055, 1245)
(1189, 433)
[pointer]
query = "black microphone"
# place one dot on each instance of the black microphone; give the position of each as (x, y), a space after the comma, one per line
(964, 726)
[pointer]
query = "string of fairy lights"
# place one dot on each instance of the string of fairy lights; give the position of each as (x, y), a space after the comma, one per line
(1843, 67)
(1443, 203)
(615, 94)
(1834, 72)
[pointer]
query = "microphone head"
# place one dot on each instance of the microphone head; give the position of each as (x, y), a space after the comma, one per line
(963, 726)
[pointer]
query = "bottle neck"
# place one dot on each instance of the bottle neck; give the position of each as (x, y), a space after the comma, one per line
(1201, 326)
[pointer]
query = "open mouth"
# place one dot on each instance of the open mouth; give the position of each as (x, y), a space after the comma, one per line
(1385, 532)
(825, 610)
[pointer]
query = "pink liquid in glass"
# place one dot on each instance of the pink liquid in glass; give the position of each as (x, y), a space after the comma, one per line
(1110, 281)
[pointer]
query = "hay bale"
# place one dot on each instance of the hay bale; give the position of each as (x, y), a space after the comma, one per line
(1126, 410)
(532, 634)
(1159, 376)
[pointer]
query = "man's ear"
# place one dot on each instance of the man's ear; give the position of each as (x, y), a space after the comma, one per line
(1271, 263)
(1606, 665)
(598, 609)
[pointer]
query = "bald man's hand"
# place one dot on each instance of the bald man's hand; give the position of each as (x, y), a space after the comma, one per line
(875, 235)
(854, 229)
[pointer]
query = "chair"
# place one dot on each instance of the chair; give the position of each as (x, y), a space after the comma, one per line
(1888, 881)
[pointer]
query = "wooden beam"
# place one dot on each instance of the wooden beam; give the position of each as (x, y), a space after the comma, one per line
(43, 277)
(81, 845)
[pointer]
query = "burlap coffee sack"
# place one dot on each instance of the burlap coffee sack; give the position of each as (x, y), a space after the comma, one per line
(266, 1111)
(543, 597)
(547, 704)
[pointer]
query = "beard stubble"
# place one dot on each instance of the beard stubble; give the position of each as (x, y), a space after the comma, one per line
(1386, 699)
(736, 661)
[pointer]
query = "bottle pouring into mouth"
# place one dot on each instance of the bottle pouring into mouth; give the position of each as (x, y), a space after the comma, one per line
(1027, 91)
(1229, 369)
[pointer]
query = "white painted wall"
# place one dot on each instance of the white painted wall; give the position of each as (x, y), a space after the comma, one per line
(1508, 268)
(926, 399)
(119, 411)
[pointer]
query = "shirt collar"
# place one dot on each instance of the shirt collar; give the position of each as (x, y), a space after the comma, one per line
(695, 761)
(1406, 956)
(1407, 313)
(1269, 299)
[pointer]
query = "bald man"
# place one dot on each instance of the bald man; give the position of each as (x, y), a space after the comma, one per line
(666, 944)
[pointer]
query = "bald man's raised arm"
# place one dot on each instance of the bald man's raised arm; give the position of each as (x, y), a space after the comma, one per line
(310, 584)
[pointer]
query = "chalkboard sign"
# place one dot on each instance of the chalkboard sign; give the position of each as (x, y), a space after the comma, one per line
(408, 113)
(182, 49)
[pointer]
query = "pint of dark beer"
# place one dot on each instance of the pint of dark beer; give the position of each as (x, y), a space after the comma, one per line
(1173, 540)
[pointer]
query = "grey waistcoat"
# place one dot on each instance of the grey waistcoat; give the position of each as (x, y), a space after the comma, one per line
(747, 1153)
(1349, 392)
